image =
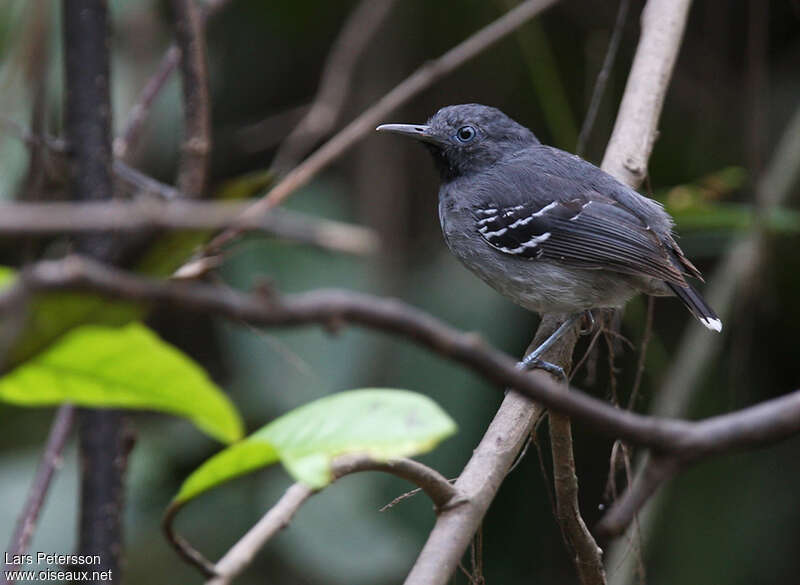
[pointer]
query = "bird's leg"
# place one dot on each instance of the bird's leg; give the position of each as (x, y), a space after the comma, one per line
(533, 360)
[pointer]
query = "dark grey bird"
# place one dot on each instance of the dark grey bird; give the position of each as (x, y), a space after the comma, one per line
(544, 227)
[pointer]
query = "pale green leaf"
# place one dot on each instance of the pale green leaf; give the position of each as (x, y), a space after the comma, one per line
(6, 276)
(126, 367)
(381, 423)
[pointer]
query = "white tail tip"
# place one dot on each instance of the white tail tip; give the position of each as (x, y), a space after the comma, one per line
(713, 324)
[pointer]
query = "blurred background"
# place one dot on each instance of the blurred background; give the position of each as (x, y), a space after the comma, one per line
(733, 520)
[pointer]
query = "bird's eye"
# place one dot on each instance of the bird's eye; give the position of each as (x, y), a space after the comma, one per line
(465, 133)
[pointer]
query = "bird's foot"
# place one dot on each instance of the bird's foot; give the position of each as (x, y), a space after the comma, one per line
(532, 362)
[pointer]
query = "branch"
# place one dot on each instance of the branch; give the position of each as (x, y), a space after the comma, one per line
(421, 79)
(50, 463)
(139, 112)
(763, 424)
(636, 128)
(740, 261)
(87, 112)
(335, 82)
(478, 483)
(144, 214)
(602, 77)
(190, 37)
(587, 556)
(626, 158)
(651, 475)
(278, 517)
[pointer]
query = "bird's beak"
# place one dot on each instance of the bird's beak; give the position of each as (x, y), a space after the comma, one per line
(418, 131)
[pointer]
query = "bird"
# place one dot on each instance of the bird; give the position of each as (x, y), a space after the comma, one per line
(546, 228)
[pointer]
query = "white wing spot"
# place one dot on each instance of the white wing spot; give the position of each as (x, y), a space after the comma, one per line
(487, 220)
(521, 222)
(532, 243)
(574, 217)
(585, 205)
(545, 209)
(489, 211)
(494, 234)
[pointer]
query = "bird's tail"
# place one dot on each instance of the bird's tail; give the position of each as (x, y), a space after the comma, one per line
(697, 305)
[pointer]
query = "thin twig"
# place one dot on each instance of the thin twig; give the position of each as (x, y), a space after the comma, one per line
(602, 77)
(144, 214)
(241, 554)
(335, 83)
(49, 464)
(648, 332)
(125, 143)
(139, 112)
(635, 131)
(421, 79)
(196, 148)
(655, 471)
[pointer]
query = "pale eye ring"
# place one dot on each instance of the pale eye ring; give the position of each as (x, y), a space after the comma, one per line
(465, 134)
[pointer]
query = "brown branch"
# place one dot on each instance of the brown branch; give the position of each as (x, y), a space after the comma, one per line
(587, 556)
(130, 176)
(335, 83)
(278, 517)
(766, 423)
(741, 260)
(140, 215)
(144, 214)
(478, 484)
(626, 157)
(140, 111)
(50, 463)
(196, 148)
(102, 440)
(653, 473)
(421, 79)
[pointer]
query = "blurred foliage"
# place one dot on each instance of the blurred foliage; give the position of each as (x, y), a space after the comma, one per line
(730, 521)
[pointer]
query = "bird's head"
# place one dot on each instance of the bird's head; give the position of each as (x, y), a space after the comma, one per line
(467, 138)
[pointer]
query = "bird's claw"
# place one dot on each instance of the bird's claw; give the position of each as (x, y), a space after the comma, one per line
(531, 362)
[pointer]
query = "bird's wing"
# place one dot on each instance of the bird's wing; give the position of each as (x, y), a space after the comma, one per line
(543, 216)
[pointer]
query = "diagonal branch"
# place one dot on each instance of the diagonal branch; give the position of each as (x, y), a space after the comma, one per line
(139, 112)
(241, 554)
(765, 423)
(50, 463)
(421, 79)
(335, 83)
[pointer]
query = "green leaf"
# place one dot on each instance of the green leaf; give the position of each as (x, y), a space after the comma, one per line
(127, 367)
(53, 315)
(7, 276)
(381, 423)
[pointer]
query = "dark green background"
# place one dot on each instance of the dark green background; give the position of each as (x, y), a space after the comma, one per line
(733, 520)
